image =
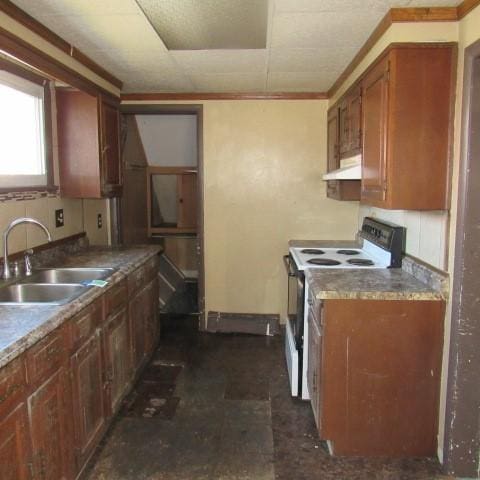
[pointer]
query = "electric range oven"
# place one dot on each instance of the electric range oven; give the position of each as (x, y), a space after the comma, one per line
(381, 247)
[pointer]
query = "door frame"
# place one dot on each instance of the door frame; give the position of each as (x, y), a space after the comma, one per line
(462, 420)
(197, 110)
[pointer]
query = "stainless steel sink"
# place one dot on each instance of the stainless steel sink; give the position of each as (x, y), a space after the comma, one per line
(68, 275)
(40, 293)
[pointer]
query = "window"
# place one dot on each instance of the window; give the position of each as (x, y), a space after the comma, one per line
(23, 139)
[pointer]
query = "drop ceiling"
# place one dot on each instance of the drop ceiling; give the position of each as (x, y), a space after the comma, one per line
(308, 42)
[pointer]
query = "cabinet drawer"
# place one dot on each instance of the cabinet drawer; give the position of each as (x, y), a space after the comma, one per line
(84, 324)
(46, 356)
(12, 384)
(115, 298)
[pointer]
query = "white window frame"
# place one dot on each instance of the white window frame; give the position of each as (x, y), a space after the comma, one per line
(38, 91)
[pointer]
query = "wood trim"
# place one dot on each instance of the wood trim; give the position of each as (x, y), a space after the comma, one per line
(223, 96)
(399, 15)
(35, 26)
(172, 170)
(434, 14)
(47, 246)
(466, 7)
(31, 55)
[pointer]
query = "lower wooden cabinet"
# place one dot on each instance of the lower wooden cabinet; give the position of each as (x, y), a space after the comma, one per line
(117, 358)
(379, 362)
(88, 397)
(56, 399)
(15, 454)
(50, 428)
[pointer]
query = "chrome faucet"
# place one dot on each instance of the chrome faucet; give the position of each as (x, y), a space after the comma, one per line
(6, 268)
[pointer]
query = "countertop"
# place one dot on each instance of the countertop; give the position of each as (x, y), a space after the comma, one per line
(23, 326)
(368, 284)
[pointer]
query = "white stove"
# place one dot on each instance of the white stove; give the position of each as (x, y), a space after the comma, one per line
(369, 256)
(381, 248)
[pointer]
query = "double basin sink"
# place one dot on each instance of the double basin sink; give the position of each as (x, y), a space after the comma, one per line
(52, 286)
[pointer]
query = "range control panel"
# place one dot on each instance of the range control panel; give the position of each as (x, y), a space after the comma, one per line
(386, 235)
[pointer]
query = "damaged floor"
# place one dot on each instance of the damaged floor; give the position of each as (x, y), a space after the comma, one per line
(218, 407)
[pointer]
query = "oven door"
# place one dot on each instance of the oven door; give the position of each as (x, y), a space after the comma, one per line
(296, 300)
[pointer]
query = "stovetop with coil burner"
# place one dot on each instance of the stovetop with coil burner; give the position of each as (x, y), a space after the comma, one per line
(336, 258)
(381, 247)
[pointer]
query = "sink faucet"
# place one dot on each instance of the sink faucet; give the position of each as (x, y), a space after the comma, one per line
(6, 268)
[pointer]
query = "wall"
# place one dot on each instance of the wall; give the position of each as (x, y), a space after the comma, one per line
(263, 166)
(169, 140)
(427, 232)
(79, 215)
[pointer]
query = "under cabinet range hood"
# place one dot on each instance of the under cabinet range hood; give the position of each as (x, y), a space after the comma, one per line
(350, 169)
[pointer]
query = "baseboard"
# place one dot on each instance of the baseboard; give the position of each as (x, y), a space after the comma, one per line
(253, 323)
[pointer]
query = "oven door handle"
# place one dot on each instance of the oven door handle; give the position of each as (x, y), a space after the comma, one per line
(288, 266)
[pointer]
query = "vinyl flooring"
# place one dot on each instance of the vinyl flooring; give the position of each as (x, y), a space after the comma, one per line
(212, 406)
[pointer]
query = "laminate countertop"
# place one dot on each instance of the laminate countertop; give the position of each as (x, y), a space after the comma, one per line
(22, 326)
(368, 284)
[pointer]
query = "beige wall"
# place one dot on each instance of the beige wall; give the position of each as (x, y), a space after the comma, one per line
(263, 162)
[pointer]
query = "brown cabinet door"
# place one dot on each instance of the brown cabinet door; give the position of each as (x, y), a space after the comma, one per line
(138, 314)
(110, 149)
(50, 428)
(314, 365)
(88, 397)
(15, 457)
(344, 135)
(375, 117)
(117, 358)
(355, 120)
(187, 200)
(333, 157)
(152, 326)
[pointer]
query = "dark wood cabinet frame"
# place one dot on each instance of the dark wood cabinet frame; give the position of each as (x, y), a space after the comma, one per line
(462, 431)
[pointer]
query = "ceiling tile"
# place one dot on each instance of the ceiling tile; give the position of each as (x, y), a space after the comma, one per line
(105, 32)
(156, 81)
(314, 30)
(301, 81)
(209, 24)
(309, 59)
(229, 82)
(221, 61)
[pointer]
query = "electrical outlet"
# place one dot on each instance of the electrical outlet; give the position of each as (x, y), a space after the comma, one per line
(99, 220)
(59, 219)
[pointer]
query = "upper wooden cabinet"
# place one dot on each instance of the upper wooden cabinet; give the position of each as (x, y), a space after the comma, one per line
(88, 145)
(341, 143)
(406, 114)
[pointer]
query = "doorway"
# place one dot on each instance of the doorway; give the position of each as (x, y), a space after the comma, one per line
(462, 423)
(163, 194)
